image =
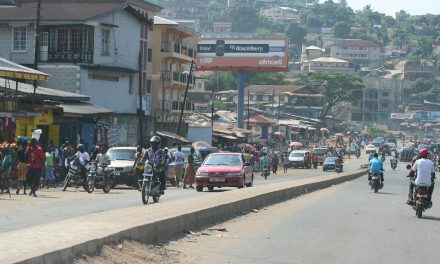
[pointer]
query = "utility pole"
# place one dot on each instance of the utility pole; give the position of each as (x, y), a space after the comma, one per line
(184, 98)
(37, 48)
(140, 113)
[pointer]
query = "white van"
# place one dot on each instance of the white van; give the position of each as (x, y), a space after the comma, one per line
(297, 158)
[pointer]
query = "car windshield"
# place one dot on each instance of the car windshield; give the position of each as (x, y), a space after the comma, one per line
(121, 154)
(297, 154)
(329, 160)
(222, 160)
(320, 151)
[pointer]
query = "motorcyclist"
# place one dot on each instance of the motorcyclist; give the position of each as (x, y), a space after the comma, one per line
(424, 171)
(265, 161)
(83, 158)
(376, 166)
(393, 161)
(103, 160)
(156, 156)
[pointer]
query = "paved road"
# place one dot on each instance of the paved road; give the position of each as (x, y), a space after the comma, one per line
(343, 224)
(53, 205)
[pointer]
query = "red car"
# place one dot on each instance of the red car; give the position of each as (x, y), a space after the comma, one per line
(224, 170)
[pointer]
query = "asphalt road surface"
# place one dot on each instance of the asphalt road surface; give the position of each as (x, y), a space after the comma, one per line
(54, 205)
(347, 223)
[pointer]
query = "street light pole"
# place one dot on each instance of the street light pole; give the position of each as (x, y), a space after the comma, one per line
(37, 48)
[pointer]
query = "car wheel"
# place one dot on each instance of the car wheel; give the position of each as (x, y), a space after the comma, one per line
(199, 188)
(243, 181)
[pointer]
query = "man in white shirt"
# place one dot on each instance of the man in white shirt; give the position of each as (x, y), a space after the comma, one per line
(425, 170)
(179, 160)
(83, 158)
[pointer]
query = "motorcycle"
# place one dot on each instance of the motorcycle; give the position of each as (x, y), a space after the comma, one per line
(375, 183)
(338, 168)
(74, 174)
(265, 171)
(99, 177)
(421, 200)
(149, 184)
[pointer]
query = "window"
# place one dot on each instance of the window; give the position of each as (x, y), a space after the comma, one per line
(260, 97)
(19, 38)
(384, 105)
(131, 84)
(385, 94)
(150, 55)
(148, 86)
(105, 39)
(44, 41)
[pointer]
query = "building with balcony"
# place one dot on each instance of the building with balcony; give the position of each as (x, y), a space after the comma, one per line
(357, 51)
(174, 46)
(328, 64)
(280, 13)
(102, 49)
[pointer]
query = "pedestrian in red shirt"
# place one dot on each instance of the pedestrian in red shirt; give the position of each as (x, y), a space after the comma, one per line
(35, 162)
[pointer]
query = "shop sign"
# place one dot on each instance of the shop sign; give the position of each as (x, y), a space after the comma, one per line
(45, 117)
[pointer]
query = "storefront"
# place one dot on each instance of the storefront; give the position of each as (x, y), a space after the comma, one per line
(42, 120)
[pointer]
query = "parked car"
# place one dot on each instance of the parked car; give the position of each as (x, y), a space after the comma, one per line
(329, 163)
(224, 170)
(370, 149)
(122, 160)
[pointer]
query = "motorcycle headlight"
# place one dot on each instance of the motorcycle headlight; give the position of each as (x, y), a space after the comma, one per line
(148, 169)
(232, 174)
(202, 174)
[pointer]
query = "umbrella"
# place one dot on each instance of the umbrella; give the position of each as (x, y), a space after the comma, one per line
(339, 134)
(279, 134)
(324, 129)
(296, 144)
(200, 144)
(246, 146)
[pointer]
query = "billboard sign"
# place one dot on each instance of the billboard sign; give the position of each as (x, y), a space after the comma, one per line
(426, 116)
(242, 54)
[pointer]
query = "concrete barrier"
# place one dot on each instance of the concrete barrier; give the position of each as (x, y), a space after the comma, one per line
(91, 232)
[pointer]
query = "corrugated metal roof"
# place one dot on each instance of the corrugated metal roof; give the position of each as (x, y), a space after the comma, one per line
(81, 109)
(42, 92)
(11, 69)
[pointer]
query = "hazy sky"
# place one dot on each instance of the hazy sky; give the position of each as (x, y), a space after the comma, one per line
(390, 7)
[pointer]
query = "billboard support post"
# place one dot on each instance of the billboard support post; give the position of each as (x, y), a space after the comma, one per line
(240, 98)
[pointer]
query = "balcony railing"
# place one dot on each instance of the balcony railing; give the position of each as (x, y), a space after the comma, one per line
(177, 48)
(75, 57)
(177, 106)
(183, 78)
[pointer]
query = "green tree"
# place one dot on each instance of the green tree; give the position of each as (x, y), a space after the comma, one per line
(422, 49)
(341, 30)
(259, 78)
(336, 88)
(296, 33)
(421, 85)
(433, 94)
(400, 38)
(244, 19)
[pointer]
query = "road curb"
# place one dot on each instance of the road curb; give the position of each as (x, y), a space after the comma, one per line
(172, 226)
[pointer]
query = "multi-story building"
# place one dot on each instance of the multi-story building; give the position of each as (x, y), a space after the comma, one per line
(381, 97)
(328, 64)
(221, 27)
(426, 69)
(357, 51)
(99, 48)
(280, 13)
(174, 46)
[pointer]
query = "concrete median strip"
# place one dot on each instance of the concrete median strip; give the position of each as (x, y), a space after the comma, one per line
(60, 242)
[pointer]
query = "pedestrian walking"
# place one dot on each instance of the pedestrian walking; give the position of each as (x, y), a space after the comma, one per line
(190, 173)
(21, 165)
(35, 161)
(6, 170)
(285, 162)
(275, 162)
(179, 161)
(49, 167)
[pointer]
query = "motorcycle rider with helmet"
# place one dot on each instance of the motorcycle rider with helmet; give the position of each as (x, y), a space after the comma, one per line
(265, 161)
(376, 166)
(156, 156)
(424, 171)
